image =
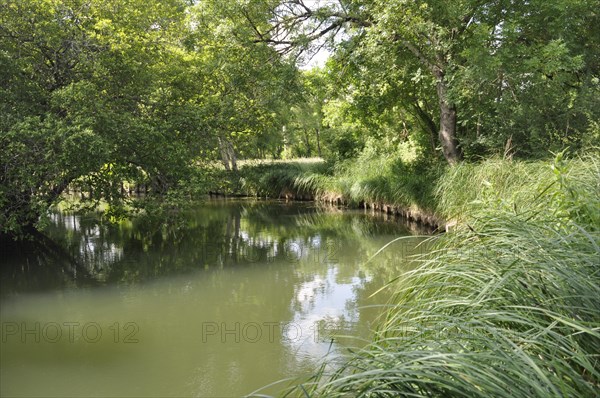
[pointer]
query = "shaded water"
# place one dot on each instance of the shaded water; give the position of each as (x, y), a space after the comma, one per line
(244, 294)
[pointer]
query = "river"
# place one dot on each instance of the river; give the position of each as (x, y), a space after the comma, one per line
(242, 294)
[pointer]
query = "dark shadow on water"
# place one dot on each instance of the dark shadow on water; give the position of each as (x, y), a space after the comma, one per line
(38, 263)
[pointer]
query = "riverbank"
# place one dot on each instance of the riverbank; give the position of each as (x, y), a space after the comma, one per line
(434, 195)
(379, 184)
(506, 305)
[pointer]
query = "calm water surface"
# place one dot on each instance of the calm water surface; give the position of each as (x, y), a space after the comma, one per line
(244, 294)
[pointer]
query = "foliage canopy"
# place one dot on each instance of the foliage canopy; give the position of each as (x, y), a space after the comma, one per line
(105, 95)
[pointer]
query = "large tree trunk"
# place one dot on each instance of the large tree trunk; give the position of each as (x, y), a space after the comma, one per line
(232, 156)
(447, 133)
(228, 155)
(224, 154)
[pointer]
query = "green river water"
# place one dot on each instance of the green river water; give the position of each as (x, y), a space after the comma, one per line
(245, 294)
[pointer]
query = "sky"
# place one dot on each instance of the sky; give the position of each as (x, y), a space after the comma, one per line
(317, 60)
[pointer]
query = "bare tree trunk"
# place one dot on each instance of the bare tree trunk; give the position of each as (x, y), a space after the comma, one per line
(228, 156)
(447, 133)
(307, 143)
(317, 133)
(224, 154)
(232, 156)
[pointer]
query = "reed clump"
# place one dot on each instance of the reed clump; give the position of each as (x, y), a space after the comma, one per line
(377, 179)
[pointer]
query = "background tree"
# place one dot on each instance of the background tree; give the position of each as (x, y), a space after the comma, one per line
(247, 85)
(306, 126)
(96, 94)
(423, 51)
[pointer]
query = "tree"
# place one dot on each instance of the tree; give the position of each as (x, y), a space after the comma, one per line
(247, 84)
(532, 84)
(419, 33)
(306, 119)
(83, 89)
(98, 94)
(425, 47)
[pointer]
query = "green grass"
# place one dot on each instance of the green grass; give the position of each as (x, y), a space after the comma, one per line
(277, 178)
(377, 179)
(367, 179)
(464, 189)
(508, 305)
(451, 194)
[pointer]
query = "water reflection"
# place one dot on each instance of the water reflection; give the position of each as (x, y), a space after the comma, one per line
(246, 294)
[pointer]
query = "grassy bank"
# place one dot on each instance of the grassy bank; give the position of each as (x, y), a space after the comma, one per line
(506, 305)
(434, 193)
(372, 181)
(273, 179)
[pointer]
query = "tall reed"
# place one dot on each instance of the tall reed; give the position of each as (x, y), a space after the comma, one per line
(508, 305)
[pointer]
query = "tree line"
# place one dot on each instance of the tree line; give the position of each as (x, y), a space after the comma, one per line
(95, 93)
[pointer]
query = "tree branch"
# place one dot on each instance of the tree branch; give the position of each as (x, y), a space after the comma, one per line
(289, 19)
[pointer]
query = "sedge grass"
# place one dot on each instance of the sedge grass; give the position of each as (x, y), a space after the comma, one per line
(506, 306)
